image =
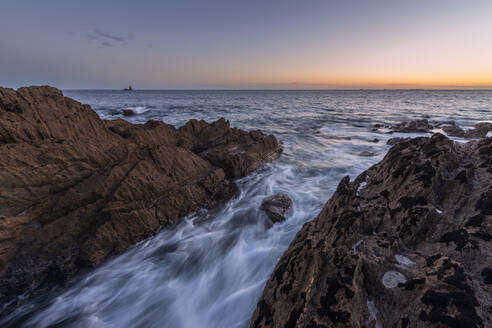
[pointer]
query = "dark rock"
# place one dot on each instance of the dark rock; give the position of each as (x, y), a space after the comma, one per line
(480, 131)
(417, 126)
(452, 129)
(412, 247)
(487, 276)
(449, 127)
(394, 141)
(276, 206)
(366, 153)
(76, 190)
(375, 140)
(128, 112)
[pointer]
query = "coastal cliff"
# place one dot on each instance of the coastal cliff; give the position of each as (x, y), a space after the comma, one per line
(76, 190)
(408, 243)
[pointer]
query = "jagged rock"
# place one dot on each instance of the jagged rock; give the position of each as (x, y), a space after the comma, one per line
(453, 131)
(408, 243)
(76, 190)
(276, 206)
(417, 126)
(394, 141)
(480, 131)
(449, 127)
(128, 112)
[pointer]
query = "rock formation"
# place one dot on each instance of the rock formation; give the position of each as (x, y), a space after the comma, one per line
(417, 126)
(76, 190)
(480, 130)
(128, 112)
(394, 141)
(276, 206)
(408, 243)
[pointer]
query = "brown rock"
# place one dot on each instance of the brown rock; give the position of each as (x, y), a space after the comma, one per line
(76, 190)
(407, 244)
(276, 206)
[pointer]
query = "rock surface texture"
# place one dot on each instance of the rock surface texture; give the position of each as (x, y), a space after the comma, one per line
(276, 206)
(406, 244)
(76, 190)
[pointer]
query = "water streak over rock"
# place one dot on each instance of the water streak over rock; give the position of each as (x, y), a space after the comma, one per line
(76, 190)
(276, 206)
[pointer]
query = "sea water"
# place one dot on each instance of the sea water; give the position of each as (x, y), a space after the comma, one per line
(210, 270)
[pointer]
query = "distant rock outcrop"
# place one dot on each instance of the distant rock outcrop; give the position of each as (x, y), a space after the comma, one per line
(407, 244)
(76, 190)
(276, 206)
(480, 130)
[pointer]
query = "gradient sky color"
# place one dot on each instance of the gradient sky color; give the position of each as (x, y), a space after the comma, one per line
(246, 44)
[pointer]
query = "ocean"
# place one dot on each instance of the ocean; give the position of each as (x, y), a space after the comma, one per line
(210, 270)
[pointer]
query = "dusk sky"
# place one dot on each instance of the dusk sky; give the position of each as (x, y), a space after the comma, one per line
(246, 44)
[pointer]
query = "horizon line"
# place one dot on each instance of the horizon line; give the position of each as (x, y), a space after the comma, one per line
(285, 89)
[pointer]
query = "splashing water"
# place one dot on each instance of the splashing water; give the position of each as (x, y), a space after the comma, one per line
(210, 270)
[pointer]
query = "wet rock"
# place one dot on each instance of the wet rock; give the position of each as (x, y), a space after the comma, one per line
(366, 153)
(417, 126)
(452, 129)
(375, 140)
(480, 130)
(128, 112)
(76, 190)
(276, 206)
(394, 141)
(406, 244)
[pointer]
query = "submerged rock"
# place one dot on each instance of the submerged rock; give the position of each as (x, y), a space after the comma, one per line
(276, 206)
(411, 248)
(366, 153)
(76, 190)
(128, 112)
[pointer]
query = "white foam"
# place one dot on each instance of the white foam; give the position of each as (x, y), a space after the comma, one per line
(361, 186)
(391, 279)
(403, 260)
(373, 312)
(354, 250)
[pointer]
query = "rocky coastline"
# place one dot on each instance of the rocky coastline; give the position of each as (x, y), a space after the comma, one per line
(76, 190)
(408, 243)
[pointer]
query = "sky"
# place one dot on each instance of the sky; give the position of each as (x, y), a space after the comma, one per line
(267, 44)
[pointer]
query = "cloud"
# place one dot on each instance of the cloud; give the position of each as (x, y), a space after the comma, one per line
(107, 44)
(106, 39)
